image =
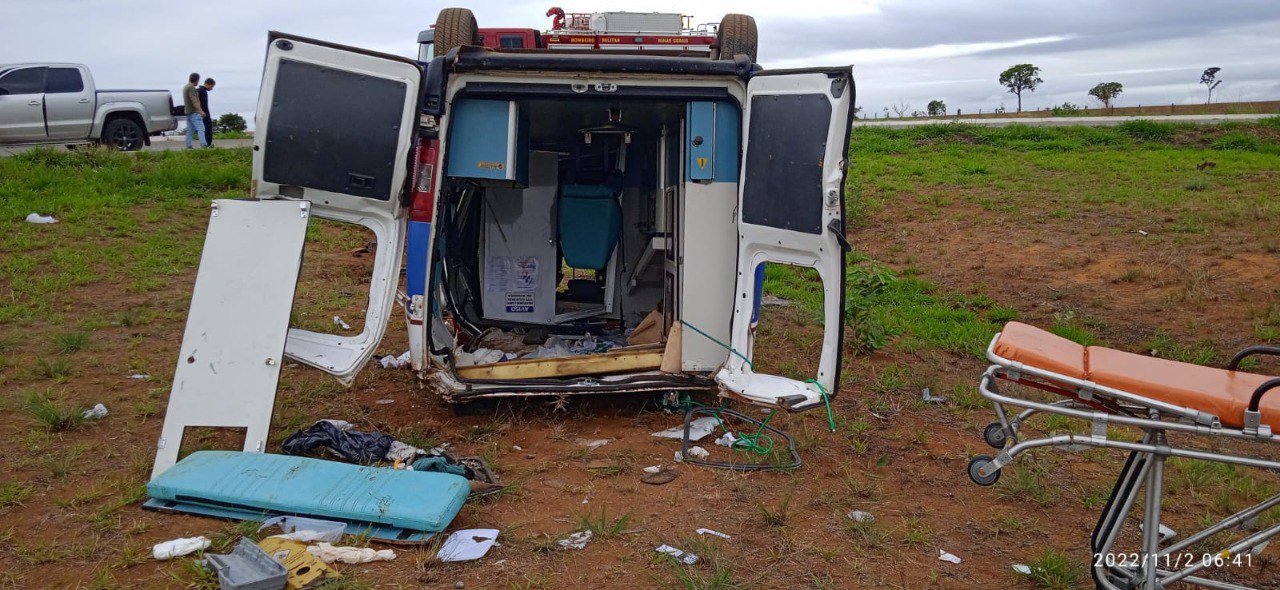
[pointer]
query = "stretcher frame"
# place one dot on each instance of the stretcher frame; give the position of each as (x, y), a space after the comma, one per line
(1103, 406)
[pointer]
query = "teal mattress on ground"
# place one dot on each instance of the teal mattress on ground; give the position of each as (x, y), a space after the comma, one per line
(387, 504)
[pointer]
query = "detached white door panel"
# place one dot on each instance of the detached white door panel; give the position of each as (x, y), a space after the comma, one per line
(791, 211)
(335, 126)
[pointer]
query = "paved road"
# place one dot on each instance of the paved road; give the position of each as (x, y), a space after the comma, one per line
(1060, 121)
(158, 144)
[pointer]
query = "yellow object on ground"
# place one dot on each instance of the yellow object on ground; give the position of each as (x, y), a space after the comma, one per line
(305, 569)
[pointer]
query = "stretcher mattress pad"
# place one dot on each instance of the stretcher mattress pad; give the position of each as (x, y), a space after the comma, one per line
(1216, 391)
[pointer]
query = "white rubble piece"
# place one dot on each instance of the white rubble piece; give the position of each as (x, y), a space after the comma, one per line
(713, 533)
(575, 541)
(678, 554)
(338, 321)
(947, 557)
(41, 219)
(97, 412)
(179, 547)
(592, 444)
(698, 429)
(394, 362)
(860, 516)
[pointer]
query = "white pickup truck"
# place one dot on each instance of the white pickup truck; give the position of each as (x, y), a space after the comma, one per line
(57, 103)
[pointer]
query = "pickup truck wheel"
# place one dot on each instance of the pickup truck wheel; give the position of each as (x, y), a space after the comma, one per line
(123, 134)
(455, 27)
(737, 36)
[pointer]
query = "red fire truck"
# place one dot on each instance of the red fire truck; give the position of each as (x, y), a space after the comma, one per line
(665, 32)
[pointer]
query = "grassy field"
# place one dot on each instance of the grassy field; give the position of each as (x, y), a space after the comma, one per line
(1149, 237)
(1090, 109)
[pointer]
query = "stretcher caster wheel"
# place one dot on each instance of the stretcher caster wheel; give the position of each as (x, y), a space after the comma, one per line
(995, 435)
(977, 463)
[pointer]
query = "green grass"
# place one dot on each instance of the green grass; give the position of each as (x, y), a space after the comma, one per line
(13, 493)
(601, 526)
(1055, 570)
(55, 416)
(69, 342)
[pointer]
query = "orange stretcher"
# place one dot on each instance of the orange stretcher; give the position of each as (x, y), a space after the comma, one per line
(1107, 387)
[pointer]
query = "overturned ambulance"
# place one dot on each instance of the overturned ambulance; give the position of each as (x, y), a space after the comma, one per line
(567, 223)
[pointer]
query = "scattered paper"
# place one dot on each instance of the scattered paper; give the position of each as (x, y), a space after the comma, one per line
(337, 320)
(698, 453)
(1022, 569)
(592, 444)
(395, 362)
(680, 555)
(714, 533)
(330, 554)
(860, 516)
(577, 540)
(96, 412)
(467, 545)
(652, 469)
(179, 547)
(727, 440)
(140, 376)
(947, 557)
(698, 429)
(402, 452)
(38, 218)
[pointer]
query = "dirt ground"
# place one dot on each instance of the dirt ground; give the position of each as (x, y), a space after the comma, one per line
(79, 522)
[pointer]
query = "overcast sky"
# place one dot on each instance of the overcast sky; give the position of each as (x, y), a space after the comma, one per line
(903, 51)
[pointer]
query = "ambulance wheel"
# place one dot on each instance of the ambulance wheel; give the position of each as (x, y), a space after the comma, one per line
(994, 435)
(736, 36)
(977, 463)
(455, 27)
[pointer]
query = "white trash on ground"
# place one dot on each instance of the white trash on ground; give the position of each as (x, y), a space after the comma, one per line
(698, 453)
(652, 469)
(947, 557)
(330, 554)
(698, 429)
(592, 444)
(98, 411)
(395, 362)
(577, 540)
(1022, 568)
(466, 545)
(338, 321)
(179, 547)
(402, 452)
(38, 218)
(679, 554)
(140, 376)
(860, 516)
(727, 440)
(306, 530)
(713, 533)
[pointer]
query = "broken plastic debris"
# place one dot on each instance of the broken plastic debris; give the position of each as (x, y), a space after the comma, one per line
(383, 402)
(179, 547)
(680, 555)
(38, 218)
(140, 376)
(330, 554)
(402, 452)
(395, 362)
(947, 557)
(928, 396)
(711, 532)
(1022, 568)
(652, 469)
(96, 412)
(698, 453)
(337, 320)
(467, 545)
(698, 429)
(592, 444)
(577, 540)
(860, 516)
(1142, 233)
(727, 440)
(306, 530)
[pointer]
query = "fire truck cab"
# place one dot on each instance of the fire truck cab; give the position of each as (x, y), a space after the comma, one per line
(567, 222)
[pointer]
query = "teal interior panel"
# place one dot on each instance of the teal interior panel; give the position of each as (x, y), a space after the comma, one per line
(488, 139)
(712, 141)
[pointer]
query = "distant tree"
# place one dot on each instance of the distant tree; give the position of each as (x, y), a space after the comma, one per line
(937, 108)
(230, 123)
(1107, 92)
(856, 111)
(901, 109)
(1210, 79)
(1021, 77)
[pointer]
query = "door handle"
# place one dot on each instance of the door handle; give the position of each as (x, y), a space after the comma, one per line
(84, 101)
(34, 103)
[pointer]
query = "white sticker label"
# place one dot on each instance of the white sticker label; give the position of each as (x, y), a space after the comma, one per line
(520, 302)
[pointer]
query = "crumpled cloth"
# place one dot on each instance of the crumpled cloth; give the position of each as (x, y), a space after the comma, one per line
(364, 448)
(330, 554)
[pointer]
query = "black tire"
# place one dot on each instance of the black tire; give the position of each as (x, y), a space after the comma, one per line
(737, 36)
(455, 27)
(977, 463)
(994, 435)
(124, 135)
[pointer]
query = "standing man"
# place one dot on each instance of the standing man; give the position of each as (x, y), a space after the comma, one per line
(204, 106)
(191, 107)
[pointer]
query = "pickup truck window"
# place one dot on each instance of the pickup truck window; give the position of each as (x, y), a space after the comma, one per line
(60, 80)
(23, 81)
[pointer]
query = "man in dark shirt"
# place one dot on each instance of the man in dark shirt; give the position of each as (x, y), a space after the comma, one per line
(204, 106)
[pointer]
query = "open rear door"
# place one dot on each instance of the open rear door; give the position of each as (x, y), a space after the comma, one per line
(335, 126)
(791, 211)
